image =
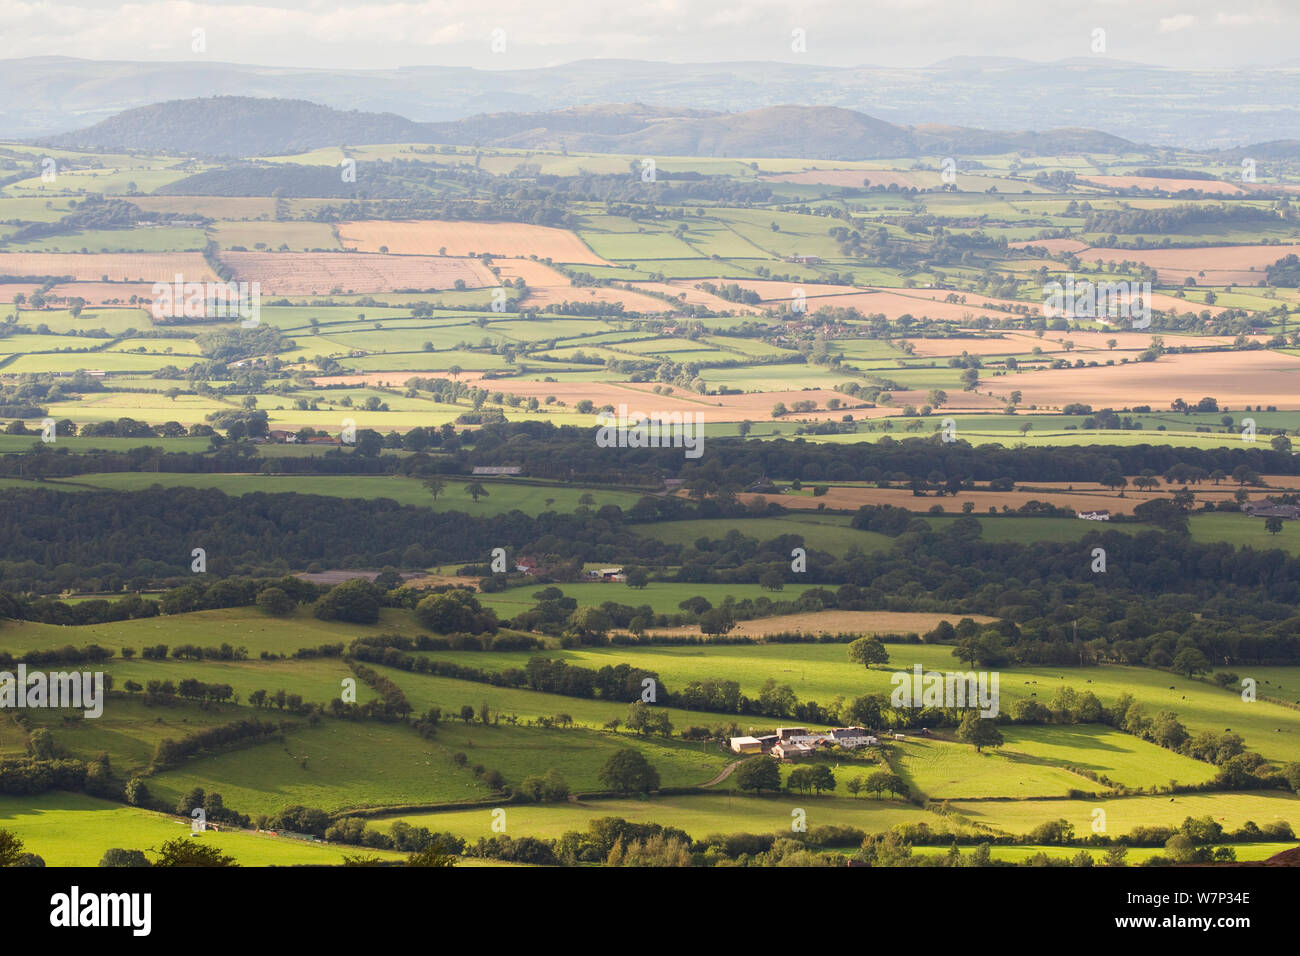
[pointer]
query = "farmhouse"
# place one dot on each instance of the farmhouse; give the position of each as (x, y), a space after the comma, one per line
(526, 565)
(1271, 509)
(1095, 515)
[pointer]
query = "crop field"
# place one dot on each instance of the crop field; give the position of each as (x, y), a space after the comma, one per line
(429, 237)
(288, 274)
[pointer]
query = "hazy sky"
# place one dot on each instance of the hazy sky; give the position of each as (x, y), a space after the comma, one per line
(379, 33)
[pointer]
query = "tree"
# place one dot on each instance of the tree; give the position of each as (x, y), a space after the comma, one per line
(431, 855)
(276, 602)
(980, 731)
(716, 621)
(822, 779)
(645, 719)
(1190, 661)
(476, 490)
(355, 601)
(758, 774)
(1273, 525)
(867, 651)
(637, 578)
(436, 486)
(771, 581)
(627, 771)
(184, 851)
(877, 783)
(119, 857)
(11, 848)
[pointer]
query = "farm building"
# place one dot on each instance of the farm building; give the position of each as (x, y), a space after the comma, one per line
(746, 745)
(789, 750)
(1095, 515)
(1271, 509)
(497, 470)
(852, 737)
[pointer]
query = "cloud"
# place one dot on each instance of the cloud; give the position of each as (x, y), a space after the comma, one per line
(1181, 22)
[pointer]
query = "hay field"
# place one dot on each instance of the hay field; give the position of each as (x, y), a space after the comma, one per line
(1234, 378)
(116, 266)
(305, 274)
(427, 236)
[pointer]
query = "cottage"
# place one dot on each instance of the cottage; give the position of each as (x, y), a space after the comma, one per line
(851, 737)
(789, 750)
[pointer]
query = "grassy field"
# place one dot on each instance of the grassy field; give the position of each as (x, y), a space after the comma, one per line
(502, 496)
(341, 765)
(68, 829)
(698, 815)
(822, 672)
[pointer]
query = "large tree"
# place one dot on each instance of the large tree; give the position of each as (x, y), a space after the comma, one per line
(627, 771)
(980, 731)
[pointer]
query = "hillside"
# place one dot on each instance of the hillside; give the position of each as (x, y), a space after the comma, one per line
(239, 126)
(250, 126)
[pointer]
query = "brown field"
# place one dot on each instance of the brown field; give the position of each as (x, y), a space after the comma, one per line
(1222, 265)
(287, 273)
(104, 293)
(920, 304)
(1208, 186)
(1079, 495)
(210, 207)
(427, 236)
(1091, 344)
(117, 266)
(686, 292)
(548, 286)
(1234, 378)
(870, 299)
(839, 622)
(850, 177)
(10, 289)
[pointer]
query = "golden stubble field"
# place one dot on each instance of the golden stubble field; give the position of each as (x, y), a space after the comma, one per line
(1235, 379)
(288, 273)
(837, 622)
(506, 239)
(109, 266)
(1079, 495)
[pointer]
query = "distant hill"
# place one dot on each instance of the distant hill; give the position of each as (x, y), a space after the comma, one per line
(1198, 109)
(240, 126)
(252, 126)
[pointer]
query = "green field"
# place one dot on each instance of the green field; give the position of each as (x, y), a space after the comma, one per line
(68, 829)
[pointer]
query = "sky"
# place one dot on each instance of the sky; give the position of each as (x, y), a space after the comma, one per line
(517, 34)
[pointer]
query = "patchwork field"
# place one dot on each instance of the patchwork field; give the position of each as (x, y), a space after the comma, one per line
(431, 237)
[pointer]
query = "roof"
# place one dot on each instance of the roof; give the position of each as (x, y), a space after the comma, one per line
(497, 470)
(744, 740)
